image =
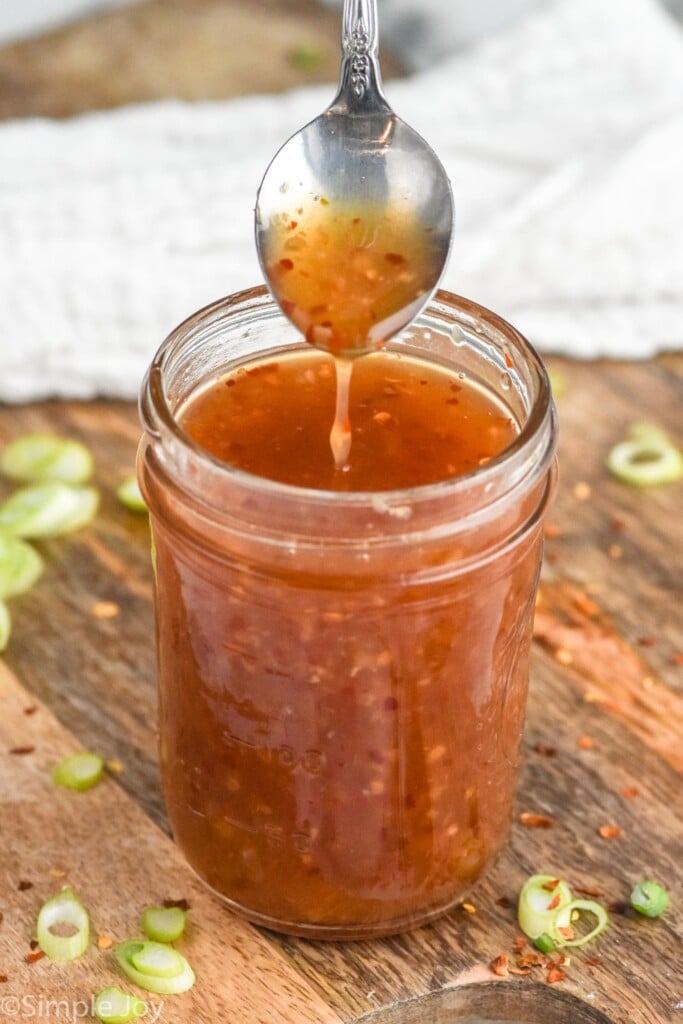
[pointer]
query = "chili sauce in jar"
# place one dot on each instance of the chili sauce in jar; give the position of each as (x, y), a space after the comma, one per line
(343, 644)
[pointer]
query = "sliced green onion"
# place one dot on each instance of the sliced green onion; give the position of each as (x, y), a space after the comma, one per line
(163, 924)
(157, 960)
(544, 943)
(20, 566)
(47, 510)
(79, 771)
(112, 1006)
(539, 901)
(39, 457)
(5, 626)
(649, 898)
(130, 495)
(306, 57)
(647, 458)
(63, 927)
(567, 915)
(129, 955)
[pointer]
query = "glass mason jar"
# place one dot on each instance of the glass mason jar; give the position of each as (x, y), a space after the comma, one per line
(343, 675)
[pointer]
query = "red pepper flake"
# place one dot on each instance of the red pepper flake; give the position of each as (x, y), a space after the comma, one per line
(522, 971)
(566, 931)
(582, 491)
(293, 224)
(615, 551)
(469, 908)
(630, 792)
(104, 942)
(531, 960)
(394, 257)
(286, 264)
(33, 944)
(593, 961)
(564, 656)
(554, 975)
(555, 902)
(677, 659)
(552, 885)
(618, 524)
(610, 831)
(584, 604)
(3, 979)
(545, 750)
(507, 357)
(22, 750)
(33, 958)
(181, 904)
(587, 890)
(531, 820)
(647, 641)
(31, 710)
(24, 885)
(500, 965)
(552, 530)
(519, 945)
(585, 743)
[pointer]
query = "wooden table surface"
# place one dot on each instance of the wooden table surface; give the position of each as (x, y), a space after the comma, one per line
(603, 747)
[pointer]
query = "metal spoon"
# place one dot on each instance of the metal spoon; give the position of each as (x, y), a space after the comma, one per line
(354, 215)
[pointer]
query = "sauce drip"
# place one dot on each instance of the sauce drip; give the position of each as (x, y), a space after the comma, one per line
(414, 423)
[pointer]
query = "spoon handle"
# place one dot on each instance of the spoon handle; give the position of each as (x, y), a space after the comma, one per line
(360, 83)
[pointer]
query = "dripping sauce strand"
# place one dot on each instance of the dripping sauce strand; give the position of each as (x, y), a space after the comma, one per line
(340, 434)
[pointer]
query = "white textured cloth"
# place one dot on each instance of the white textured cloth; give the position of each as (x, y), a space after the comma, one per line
(563, 138)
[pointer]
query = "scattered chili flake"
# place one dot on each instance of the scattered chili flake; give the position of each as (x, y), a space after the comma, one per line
(324, 202)
(587, 890)
(3, 979)
(677, 659)
(585, 742)
(610, 831)
(469, 908)
(564, 656)
(552, 530)
(552, 885)
(382, 417)
(507, 357)
(614, 551)
(582, 491)
(647, 682)
(58, 872)
(519, 944)
(647, 641)
(24, 885)
(566, 931)
(286, 264)
(32, 958)
(593, 697)
(33, 944)
(31, 710)
(181, 904)
(555, 902)
(22, 750)
(630, 792)
(531, 960)
(545, 750)
(618, 524)
(531, 820)
(593, 961)
(293, 224)
(115, 766)
(522, 971)
(500, 965)
(554, 975)
(584, 604)
(105, 609)
(394, 257)
(104, 942)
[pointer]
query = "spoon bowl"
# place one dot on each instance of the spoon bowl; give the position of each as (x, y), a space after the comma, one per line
(354, 215)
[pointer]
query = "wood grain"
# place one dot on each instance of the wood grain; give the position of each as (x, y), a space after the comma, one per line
(592, 677)
(184, 49)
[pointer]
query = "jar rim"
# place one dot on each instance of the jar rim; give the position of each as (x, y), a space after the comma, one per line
(159, 420)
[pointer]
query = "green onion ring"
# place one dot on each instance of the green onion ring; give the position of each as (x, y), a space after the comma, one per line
(20, 566)
(130, 495)
(5, 626)
(565, 915)
(48, 509)
(125, 952)
(647, 458)
(649, 898)
(163, 924)
(63, 910)
(112, 1006)
(538, 906)
(35, 458)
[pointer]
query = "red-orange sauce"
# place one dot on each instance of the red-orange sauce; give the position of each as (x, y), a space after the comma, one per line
(338, 748)
(341, 273)
(411, 423)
